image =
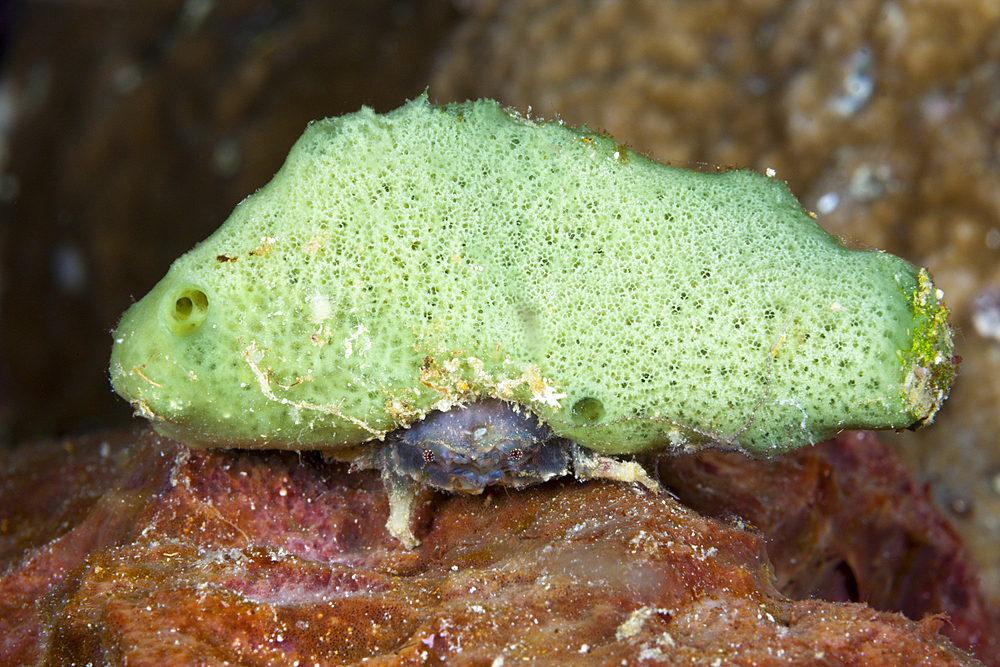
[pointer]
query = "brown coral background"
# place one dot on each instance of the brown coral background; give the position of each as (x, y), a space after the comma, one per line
(128, 131)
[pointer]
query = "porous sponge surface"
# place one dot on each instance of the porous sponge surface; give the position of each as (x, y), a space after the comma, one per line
(411, 261)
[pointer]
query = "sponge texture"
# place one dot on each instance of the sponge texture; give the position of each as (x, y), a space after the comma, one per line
(413, 261)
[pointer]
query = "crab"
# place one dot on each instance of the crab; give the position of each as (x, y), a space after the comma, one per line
(481, 444)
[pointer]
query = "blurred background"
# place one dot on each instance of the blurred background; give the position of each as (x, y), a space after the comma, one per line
(129, 131)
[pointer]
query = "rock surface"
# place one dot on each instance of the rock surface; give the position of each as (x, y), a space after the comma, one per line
(131, 549)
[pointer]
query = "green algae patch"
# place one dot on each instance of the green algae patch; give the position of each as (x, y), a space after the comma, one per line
(929, 365)
(413, 261)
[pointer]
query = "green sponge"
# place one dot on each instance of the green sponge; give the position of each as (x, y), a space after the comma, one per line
(412, 261)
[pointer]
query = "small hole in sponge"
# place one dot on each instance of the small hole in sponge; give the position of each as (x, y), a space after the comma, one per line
(185, 309)
(588, 410)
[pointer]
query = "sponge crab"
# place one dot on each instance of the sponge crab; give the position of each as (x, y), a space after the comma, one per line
(462, 296)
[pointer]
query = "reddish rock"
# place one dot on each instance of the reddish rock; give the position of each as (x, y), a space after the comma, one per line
(136, 550)
(844, 521)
